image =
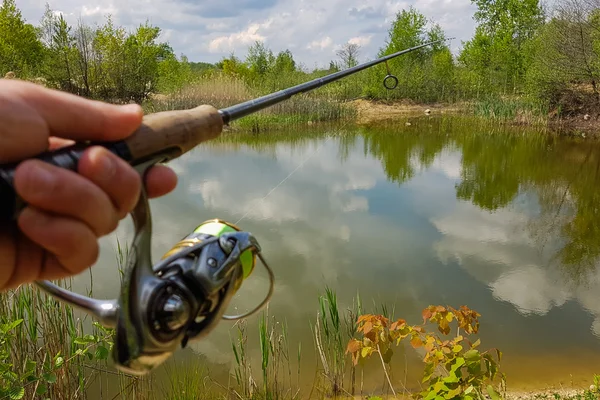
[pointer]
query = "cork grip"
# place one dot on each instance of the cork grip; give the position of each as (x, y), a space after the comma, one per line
(183, 129)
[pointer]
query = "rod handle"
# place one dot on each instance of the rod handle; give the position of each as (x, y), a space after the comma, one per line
(172, 133)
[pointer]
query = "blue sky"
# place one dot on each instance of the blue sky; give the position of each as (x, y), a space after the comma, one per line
(312, 29)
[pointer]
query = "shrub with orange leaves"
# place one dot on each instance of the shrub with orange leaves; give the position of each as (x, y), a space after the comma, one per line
(454, 368)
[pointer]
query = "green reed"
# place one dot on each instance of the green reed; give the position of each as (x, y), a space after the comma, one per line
(275, 362)
(514, 110)
(44, 346)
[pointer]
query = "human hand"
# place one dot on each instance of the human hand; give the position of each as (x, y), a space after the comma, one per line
(56, 235)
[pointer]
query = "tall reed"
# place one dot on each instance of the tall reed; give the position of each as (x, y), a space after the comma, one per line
(44, 346)
(277, 379)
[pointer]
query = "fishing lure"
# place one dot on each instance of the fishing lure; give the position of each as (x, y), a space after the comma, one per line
(179, 299)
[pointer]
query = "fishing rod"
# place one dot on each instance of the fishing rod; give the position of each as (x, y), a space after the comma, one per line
(183, 296)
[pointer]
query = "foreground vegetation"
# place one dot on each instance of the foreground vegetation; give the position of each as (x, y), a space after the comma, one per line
(47, 355)
(526, 62)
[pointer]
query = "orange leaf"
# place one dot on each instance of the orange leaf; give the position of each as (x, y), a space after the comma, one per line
(353, 346)
(372, 336)
(416, 342)
(426, 314)
(368, 327)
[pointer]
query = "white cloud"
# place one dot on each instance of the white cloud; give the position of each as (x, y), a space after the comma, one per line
(312, 29)
(320, 44)
(229, 42)
(362, 41)
(497, 250)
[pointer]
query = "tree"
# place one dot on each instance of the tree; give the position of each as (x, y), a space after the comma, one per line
(21, 51)
(260, 59)
(349, 54)
(498, 50)
(424, 74)
(567, 51)
(407, 30)
(284, 63)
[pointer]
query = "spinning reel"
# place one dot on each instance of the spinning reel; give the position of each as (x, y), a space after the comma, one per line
(179, 299)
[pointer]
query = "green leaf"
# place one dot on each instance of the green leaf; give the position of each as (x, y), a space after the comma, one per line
(451, 378)
(59, 362)
(101, 353)
(458, 362)
(30, 366)
(86, 339)
(387, 356)
(16, 393)
(440, 386)
(472, 355)
(429, 368)
(11, 325)
(453, 393)
(365, 351)
(49, 377)
(42, 389)
(492, 392)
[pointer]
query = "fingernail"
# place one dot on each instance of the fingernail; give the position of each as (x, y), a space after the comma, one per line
(107, 165)
(131, 108)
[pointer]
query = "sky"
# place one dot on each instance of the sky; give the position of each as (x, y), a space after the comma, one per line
(312, 29)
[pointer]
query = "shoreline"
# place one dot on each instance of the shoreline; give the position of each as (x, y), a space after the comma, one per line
(373, 111)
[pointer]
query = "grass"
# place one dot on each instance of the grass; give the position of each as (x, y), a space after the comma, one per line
(222, 91)
(511, 109)
(321, 106)
(49, 353)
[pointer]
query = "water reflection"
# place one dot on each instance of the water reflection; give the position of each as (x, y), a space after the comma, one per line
(444, 211)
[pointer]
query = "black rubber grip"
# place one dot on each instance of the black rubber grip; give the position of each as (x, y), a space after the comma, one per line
(66, 157)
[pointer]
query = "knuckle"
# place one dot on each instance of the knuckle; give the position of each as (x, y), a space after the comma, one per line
(86, 257)
(130, 185)
(34, 180)
(112, 224)
(92, 255)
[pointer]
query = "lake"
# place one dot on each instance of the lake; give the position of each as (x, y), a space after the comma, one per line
(446, 211)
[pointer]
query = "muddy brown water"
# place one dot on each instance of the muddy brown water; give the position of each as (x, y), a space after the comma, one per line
(444, 211)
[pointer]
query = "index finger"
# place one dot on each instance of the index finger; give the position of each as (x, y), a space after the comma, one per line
(73, 117)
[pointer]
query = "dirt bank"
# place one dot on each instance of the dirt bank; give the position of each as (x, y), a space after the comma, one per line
(373, 111)
(582, 120)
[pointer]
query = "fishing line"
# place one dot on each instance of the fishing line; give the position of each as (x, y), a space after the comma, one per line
(283, 181)
(345, 125)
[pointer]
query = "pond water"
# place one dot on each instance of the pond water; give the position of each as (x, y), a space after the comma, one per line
(444, 211)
